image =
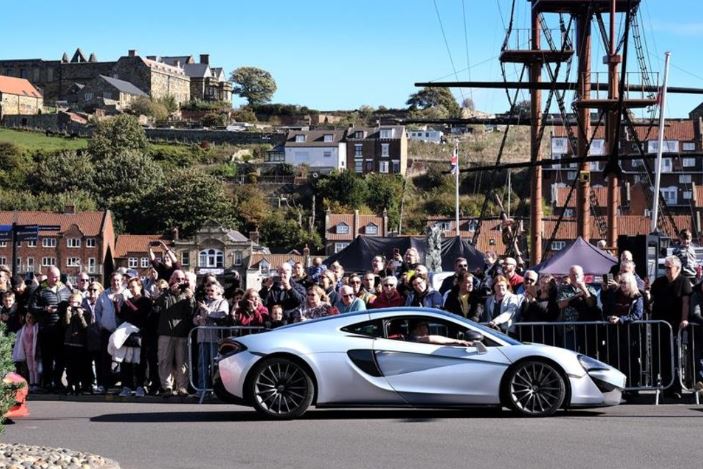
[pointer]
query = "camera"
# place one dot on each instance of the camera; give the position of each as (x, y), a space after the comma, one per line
(183, 286)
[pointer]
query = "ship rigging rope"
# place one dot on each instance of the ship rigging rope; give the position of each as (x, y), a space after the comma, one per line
(446, 44)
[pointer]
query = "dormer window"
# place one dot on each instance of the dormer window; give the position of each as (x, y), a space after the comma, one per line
(300, 138)
(386, 133)
(359, 134)
(327, 138)
(371, 229)
(264, 267)
(342, 228)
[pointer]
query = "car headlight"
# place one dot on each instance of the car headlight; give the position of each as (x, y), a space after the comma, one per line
(591, 364)
(228, 347)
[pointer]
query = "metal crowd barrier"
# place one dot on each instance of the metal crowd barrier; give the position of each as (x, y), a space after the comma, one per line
(642, 350)
(202, 349)
(690, 340)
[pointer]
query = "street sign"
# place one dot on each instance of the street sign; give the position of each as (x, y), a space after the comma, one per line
(26, 232)
(5, 232)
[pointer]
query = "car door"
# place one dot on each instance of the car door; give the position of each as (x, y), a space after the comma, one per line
(425, 373)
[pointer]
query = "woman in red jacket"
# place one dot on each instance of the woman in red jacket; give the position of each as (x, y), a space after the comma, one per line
(389, 296)
(251, 312)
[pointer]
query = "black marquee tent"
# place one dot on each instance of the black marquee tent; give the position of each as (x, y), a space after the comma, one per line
(357, 256)
(593, 260)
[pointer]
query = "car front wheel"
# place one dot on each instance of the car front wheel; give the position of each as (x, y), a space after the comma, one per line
(534, 389)
(281, 388)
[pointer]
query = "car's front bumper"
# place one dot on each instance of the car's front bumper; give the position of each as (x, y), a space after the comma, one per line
(602, 387)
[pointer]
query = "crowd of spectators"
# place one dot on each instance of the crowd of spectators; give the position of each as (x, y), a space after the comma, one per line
(140, 324)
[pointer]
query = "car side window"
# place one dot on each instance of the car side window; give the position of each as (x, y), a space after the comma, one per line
(367, 328)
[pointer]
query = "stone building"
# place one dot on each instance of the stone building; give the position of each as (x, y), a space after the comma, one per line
(206, 83)
(18, 96)
(72, 241)
(106, 92)
(132, 251)
(157, 79)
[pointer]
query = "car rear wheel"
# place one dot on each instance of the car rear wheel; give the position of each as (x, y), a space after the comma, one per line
(534, 389)
(281, 388)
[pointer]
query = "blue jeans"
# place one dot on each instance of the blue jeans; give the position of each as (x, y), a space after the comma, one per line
(206, 352)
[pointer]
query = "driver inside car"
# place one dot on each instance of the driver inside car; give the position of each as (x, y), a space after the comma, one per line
(420, 332)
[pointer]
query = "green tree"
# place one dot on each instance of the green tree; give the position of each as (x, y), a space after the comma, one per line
(214, 119)
(250, 206)
(385, 192)
(15, 166)
(255, 85)
(7, 391)
(281, 232)
(61, 172)
(345, 187)
(187, 198)
(434, 97)
(125, 178)
(117, 135)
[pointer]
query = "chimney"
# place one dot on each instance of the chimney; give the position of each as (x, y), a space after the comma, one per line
(69, 209)
(132, 53)
(178, 63)
(174, 233)
(254, 236)
(205, 59)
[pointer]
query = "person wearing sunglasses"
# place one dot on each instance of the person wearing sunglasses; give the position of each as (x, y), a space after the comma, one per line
(460, 265)
(389, 296)
(348, 301)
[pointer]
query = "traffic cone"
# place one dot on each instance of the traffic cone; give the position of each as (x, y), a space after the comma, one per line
(20, 408)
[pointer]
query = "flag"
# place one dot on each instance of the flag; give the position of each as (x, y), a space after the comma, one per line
(455, 161)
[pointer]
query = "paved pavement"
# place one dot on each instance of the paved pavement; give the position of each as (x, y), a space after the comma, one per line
(161, 433)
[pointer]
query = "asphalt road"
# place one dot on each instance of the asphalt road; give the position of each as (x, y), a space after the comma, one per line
(162, 434)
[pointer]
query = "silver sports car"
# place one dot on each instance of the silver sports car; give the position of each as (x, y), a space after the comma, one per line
(414, 357)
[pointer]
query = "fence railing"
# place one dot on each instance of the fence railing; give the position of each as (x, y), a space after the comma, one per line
(202, 351)
(642, 350)
(690, 358)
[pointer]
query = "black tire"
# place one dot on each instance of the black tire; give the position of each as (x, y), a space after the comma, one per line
(534, 388)
(280, 388)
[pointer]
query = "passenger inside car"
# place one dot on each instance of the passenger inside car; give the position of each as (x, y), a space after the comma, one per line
(420, 332)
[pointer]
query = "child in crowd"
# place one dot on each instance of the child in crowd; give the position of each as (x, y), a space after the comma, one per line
(275, 318)
(76, 321)
(26, 353)
(9, 314)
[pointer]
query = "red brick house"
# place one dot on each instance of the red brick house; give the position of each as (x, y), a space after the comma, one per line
(84, 241)
(132, 251)
(342, 228)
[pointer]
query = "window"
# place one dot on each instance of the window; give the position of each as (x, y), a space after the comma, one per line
(684, 178)
(48, 243)
(689, 146)
(689, 162)
(385, 149)
(144, 262)
(3, 244)
(264, 267)
(371, 229)
(327, 153)
(357, 150)
(386, 133)
(73, 242)
(18, 263)
(401, 328)
(73, 262)
(327, 138)
(594, 165)
(396, 166)
(91, 265)
(597, 147)
(211, 258)
(107, 95)
(3, 260)
(90, 243)
(637, 163)
(30, 264)
(367, 328)
(670, 146)
(18, 243)
(237, 257)
(383, 166)
(670, 195)
(339, 246)
(88, 96)
(300, 138)
(342, 228)
(443, 225)
(48, 261)
(358, 166)
(132, 262)
(185, 258)
(687, 195)
(359, 134)
(32, 243)
(666, 165)
(568, 212)
(558, 245)
(559, 145)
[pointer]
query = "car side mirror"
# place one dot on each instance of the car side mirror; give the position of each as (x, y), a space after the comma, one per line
(472, 336)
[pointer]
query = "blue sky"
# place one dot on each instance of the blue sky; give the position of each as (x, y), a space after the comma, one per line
(327, 54)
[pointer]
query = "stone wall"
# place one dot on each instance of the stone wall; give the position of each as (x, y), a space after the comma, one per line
(214, 136)
(51, 123)
(168, 84)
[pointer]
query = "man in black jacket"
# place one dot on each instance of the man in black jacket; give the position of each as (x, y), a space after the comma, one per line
(48, 305)
(286, 292)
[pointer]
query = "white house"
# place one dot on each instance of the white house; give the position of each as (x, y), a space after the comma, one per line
(427, 136)
(321, 150)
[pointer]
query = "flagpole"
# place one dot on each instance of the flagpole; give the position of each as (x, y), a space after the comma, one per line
(660, 149)
(456, 186)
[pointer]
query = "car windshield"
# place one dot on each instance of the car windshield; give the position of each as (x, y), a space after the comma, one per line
(492, 332)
